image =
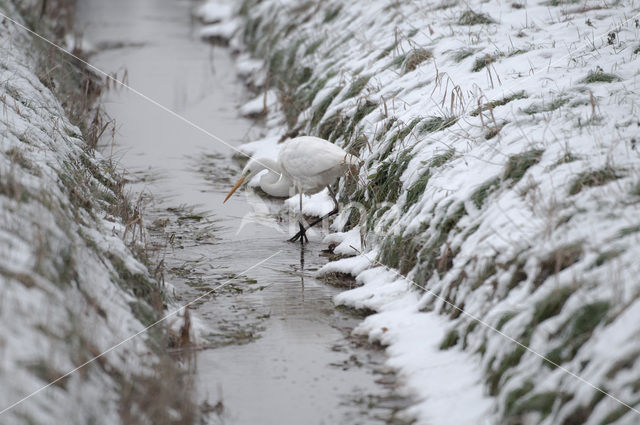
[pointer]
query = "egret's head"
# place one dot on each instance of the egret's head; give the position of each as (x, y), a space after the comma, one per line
(252, 168)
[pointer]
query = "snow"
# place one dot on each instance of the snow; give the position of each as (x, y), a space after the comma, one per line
(348, 243)
(210, 13)
(222, 31)
(503, 242)
(62, 301)
(259, 105)
(352, 265)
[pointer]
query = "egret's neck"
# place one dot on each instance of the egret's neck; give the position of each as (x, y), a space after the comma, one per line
(265, 164)
(273, 182)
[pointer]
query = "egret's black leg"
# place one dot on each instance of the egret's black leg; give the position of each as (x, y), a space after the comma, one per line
(302, 233)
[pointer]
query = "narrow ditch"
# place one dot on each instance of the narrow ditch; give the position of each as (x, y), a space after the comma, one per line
(272, 348)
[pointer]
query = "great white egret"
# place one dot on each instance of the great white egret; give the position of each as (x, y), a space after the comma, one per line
(307, 164)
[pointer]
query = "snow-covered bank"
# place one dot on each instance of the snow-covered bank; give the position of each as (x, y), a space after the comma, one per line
(70, 284)
(501, 173)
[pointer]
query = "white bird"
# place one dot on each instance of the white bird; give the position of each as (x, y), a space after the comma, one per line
(308, 165)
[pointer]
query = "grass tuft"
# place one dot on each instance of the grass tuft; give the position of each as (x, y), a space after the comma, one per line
(509, 361)
(416, 190)
(517, 165)
(482, 61)
(592, 179)
(600, 77)
(357, 86)
(450, 339)
(501, 102)
(319, 111)
(463, 53)
(536, 108)
(515, 395)
(440, 160)
(469, 17)
(414, 58)
(557, 261)
(480, 195)
(332, 14)
(551, 305)
(541, 402)
(433, 124)
(606, 256)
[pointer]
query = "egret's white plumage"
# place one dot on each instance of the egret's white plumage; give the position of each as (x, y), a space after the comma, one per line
(308, 164)
(272, 182)
(312, 163)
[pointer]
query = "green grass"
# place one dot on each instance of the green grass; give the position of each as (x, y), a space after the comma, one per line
(495, 375)
(559, 2)
(434, 255)
(592, 179)
(313, 47)
(463, 53)
(536, 108)
(386, 52)
(357, 86)
(480, 195)
(469, 17)
(450, 340)
(551, 305)
(576, 331)
(363, 109)
(558, 260)
(401, 252)
(584, 320)
(483, 61)
(614, 415)
(385, 184)
(504, 319)
(512, 397)
(626, 231)
(398, 60)
(541, 402)
(417, 190)
(330, 125)
(566, 158)
(415, 58)
(606, 256)
(440, 160)
(322, 107)
(434, 123)
(501, 102)
(492, 132)
(517, 165)
(600, 77)
(332, 14)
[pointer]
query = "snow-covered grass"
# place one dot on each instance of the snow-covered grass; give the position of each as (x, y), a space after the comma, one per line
(501, 174)
(70, 284)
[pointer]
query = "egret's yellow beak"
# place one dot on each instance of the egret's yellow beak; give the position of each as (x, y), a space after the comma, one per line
(237, 185)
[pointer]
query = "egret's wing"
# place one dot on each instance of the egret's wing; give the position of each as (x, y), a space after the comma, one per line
(306, 157)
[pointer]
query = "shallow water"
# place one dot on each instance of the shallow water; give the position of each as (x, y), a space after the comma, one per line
(277, 351)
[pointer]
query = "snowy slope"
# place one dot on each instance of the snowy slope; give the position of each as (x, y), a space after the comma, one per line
(501, 176)
(70, 287)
